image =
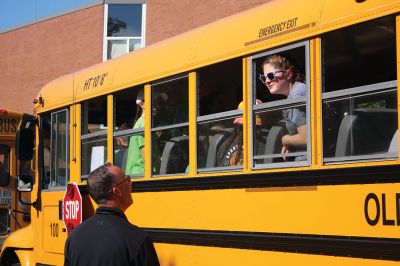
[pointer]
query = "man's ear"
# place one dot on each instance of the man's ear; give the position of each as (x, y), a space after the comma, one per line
(116, 191)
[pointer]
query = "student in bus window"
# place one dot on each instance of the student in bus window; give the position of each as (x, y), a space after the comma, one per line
(283, 77)
(135, 159)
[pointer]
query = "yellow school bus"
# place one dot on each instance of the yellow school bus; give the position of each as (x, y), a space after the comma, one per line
(220, 179)
(14, 206)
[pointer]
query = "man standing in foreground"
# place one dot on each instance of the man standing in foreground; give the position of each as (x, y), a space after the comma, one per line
(107, 238)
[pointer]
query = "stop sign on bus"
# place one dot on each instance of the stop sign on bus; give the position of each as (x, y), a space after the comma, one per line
(72, 207)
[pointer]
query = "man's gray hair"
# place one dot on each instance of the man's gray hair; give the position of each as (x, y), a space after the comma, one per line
(100, 182)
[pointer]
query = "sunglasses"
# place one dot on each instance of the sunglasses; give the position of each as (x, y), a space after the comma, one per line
(127, 178)
(271, 76)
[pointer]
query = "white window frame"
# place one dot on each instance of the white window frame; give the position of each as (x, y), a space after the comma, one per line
(106, 38)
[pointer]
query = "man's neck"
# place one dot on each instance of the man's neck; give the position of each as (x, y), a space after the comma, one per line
(112, 204)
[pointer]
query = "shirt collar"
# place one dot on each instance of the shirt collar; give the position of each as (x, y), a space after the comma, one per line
(110, 211)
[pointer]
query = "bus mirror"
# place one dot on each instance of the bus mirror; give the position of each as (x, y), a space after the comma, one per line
(25, 144)
(24, 183)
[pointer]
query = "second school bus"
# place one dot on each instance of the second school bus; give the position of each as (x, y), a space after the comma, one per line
(338, 205)
(14, 206)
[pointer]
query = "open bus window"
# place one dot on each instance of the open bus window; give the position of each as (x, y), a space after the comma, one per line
(94, 134)
(360, 92)
(219, 138)
(280, 119)
(4, 162)
(169, 126)
(128, 133)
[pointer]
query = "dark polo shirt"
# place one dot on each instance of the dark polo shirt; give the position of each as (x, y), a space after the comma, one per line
(108, 238)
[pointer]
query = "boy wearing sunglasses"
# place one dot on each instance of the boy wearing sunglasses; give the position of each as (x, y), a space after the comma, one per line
(282, 77)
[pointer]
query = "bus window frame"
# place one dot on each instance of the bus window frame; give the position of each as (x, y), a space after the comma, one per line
(166, 127)
(126, 132)
(281, 103)
(353, 93)
(67, 170)
(215, 117)
(84, 121)
(232, 114)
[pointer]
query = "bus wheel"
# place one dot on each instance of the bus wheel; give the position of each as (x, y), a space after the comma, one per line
(10, 259)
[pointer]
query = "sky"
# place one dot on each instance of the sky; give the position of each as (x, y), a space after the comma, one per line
(15, 13)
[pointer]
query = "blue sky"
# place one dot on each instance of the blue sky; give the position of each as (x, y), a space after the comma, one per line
(14, 13)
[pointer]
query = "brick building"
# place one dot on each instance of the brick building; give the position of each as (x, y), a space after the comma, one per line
(34, 54)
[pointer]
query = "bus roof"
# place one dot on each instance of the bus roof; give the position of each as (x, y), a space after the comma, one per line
(269, 25)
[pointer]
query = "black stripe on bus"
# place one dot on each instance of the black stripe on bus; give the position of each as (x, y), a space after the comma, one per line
(364, 175)
(358, 247)
(336, 176)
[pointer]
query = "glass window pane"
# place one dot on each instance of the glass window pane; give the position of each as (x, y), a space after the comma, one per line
(94, 153)
(94, 115)
(359, 55)
(4, 161)
(280, 130)
(59, 149)
(170, 151)
(124, 20)
(4, 215)
(272, 127)
(220, 143)
(126, 110)
(45, 127)
(134, 44)
(363, 124)
(218, 81)
(170, 102)
(116, 48)
(129, 153)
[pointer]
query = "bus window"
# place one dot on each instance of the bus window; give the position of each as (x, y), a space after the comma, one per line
(129, 130)
(219, 137)
(359, 92)
(94, 134)
(59, 163)
(280, 131)
(169, 126)
(45, 133)
(4, 162)
(55, 142)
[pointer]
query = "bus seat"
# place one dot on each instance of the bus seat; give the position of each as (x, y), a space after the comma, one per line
(393, 148)
(214, 146)
(345, 142)
(121, 157)
(273, 143)
(202, 148)
(175, 157)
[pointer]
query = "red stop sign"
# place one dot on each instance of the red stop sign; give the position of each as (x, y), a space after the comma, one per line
(72, 207)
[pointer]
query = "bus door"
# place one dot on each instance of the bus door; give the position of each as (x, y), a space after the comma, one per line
(5, 192)
(54, 176)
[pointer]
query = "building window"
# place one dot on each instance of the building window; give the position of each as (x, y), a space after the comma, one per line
(125, 29)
